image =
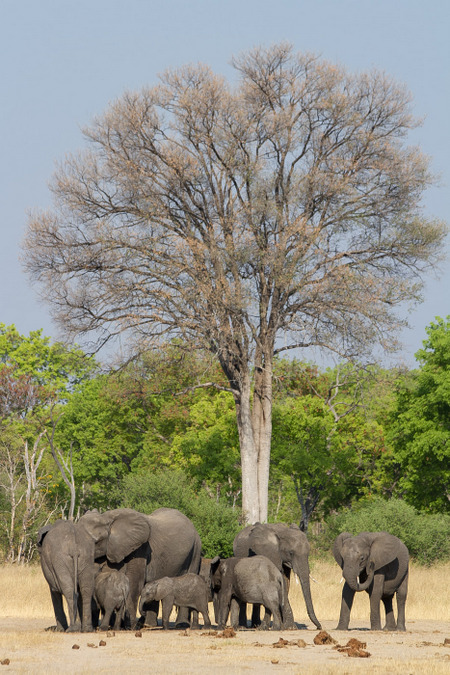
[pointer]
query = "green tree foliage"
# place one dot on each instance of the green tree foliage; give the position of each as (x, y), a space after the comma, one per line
(419, 427)
(36, 378)
(208, 450)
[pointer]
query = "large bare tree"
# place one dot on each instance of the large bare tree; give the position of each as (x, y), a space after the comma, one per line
(280, 212)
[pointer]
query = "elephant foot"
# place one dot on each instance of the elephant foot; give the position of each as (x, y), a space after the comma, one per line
(56, 629)
(87, 629)
(341, 626)
(76, 628)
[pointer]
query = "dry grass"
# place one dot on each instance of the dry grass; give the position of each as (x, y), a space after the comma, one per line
(24, 593)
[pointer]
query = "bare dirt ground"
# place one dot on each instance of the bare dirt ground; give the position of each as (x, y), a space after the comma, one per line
(30, 649)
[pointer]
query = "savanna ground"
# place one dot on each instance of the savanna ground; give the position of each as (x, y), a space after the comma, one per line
(25, 612)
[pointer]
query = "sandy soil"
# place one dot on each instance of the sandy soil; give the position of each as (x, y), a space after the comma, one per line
(31, 649)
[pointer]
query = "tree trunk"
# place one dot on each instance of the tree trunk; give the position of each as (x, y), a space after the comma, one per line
(255, 432)
(262, 428)
(249, 456)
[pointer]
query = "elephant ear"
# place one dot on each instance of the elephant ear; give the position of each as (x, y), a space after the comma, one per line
(337, 547)
(164, 586)
(128, 530)
(384, 549)
(263, 541)
(41, 534)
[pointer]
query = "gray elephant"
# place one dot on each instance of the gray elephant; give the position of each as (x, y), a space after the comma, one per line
(111, 594)
(375, 562)
(67, 560)
(240, 580)
(188, 591)
(145, 548)
(288, 548)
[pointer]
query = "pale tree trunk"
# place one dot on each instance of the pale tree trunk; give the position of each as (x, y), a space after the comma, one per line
(262, 428)
(249, 456)
(255, 432)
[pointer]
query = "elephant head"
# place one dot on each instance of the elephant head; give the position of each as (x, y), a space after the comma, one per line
(116, 533)
(361, 556)
(155, 590)
(288, 548)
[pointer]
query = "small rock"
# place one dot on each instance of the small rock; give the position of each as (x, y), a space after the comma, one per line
(110, 633)
(280, 644)
(75, 646)
(91, 644)
(301, 643)
(5, 662)
(138, 633)
(102, 643)
(275, 661)
(447, 642)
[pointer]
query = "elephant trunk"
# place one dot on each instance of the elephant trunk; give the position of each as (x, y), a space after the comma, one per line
(302, 571)
(353, 579)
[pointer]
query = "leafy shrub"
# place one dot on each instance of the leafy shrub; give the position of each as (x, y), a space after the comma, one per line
(216, 522)
(427, 536)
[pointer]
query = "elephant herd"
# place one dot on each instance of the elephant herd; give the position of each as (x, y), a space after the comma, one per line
(122, 561)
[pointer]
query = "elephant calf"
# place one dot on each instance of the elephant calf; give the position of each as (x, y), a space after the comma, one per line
(375, 562)
(111, 593)
(256, 580)
(189, 590)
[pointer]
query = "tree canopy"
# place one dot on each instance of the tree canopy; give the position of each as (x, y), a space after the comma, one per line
(287, 206)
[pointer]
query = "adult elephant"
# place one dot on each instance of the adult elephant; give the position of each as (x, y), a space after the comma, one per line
(146, 547)
(288, 548)
(67, 560)
(378, 563)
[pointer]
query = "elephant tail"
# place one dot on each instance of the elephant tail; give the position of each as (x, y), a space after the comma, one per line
(75, 588)
(282, 597)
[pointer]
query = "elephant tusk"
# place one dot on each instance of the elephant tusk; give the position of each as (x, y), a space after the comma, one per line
(342, 579)
(315, 580)
(357, 579)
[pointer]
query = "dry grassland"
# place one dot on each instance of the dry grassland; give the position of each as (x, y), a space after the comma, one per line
(25, 611)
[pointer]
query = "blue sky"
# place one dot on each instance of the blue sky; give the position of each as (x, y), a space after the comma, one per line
(63, 61)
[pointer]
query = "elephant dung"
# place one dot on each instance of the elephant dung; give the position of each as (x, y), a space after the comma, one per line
(324, 638)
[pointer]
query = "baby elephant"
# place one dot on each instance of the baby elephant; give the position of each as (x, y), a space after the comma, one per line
(238, 580)
(190, 591)
(111, 593)
(378, 563)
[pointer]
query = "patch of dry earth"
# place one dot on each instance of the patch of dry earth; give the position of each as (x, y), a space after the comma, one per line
(30, 649)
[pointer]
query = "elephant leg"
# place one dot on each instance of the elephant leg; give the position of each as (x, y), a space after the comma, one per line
(194, 620)
(346, 605)
(288, 615)
(60, 616)
(375, 602)
(256, 615)
(276, 622)
(151, 615)
(242, 614)
(206, 619)
(224, 607)
(390, 619)
(118, 618)
(235, 608)
(167, 604)
(106, 619)
(402, 592)
(265, 623)
(183, 617)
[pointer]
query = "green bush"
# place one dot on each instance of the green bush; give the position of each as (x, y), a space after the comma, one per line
(216, 522)
(427, 536)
